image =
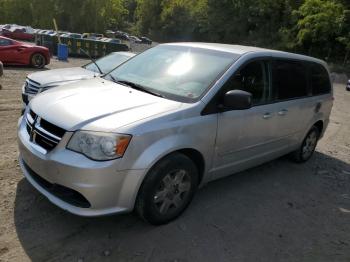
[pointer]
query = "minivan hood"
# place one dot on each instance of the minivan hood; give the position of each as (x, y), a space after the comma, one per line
(78, 105)
(59, 76)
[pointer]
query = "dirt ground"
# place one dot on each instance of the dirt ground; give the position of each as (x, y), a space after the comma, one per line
(279, 211)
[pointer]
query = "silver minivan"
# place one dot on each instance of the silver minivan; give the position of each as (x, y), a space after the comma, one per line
(147, 135)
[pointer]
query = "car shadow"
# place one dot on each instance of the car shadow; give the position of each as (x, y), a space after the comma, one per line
(277, 211)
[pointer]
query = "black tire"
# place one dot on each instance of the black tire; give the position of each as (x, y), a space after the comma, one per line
(38, 60)
(302, 155)
(154, 189)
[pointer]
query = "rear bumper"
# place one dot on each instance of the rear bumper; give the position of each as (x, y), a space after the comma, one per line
(77, 184)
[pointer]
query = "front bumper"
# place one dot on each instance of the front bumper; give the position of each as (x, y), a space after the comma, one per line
(105, 189)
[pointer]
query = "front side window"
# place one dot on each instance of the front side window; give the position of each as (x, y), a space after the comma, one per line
(181, 73)
(320, 82)
(252, 78)
(5, 42)
(289, 80)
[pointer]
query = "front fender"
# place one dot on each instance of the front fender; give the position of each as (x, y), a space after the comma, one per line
(163, 147)
(148, 147)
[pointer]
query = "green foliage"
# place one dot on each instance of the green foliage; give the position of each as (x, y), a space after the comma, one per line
(254, 22)
(72, 15)
(317, 27)
(319, 23)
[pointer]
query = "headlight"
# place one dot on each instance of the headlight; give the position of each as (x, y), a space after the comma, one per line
(99, 145)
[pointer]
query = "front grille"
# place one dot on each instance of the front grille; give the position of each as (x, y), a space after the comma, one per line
(31, 87)
(66, 194)
(42, 132)
(25, 99)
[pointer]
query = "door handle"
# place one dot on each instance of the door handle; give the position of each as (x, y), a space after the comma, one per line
(283, 112)
(267, 115)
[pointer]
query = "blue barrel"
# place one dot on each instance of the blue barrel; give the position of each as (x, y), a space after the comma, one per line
(62, 52)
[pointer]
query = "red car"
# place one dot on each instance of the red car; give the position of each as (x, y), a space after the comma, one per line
(18, 33)
(16, 53)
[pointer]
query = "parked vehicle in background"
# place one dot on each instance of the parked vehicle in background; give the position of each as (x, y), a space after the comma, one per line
(134, 39)
(13, 52)
(42, 32)
(21, 33)
(110, 34)
(51, 33)
(104, 39)
(348, 85)
(145, 40)
(149, 133)
(110, 40)
(72, 35)
(92, 36)
(75, 35)
(121, 35)
(114, 41)
(41, 81)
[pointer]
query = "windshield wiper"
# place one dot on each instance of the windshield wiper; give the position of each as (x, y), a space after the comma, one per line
(136, 86)
(92, 60)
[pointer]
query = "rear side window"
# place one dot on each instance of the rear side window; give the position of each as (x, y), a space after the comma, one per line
(289, 80)
(320, 82)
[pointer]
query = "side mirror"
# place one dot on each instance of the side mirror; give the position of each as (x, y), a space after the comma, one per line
(237, 100)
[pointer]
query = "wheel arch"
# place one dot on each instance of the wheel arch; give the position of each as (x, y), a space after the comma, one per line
(320, 126)
(193, 154)
(197, 159)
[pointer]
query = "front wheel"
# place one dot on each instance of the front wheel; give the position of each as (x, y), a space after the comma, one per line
(306, 150)
(38, 60)
(167, 189)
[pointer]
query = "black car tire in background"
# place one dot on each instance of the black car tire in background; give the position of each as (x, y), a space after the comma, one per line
(38, 60)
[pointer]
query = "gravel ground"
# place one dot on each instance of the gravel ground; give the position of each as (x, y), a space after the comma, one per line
(279, 211)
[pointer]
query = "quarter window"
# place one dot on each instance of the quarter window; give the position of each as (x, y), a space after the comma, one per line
(320, 82)
(289, 80)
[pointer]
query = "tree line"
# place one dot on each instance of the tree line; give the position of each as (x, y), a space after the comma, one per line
(319, 28)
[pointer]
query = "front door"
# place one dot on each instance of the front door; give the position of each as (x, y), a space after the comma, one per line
(6, 51)
(247, 137)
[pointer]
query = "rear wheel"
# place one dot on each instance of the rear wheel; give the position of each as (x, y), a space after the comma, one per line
(306, 150)
(38, 60)
(167, 189)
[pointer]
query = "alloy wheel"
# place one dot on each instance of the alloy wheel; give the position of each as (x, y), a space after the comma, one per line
(172, 191)
(38, 61)
(309, 145)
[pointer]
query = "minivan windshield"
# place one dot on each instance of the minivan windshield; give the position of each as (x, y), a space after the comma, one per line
(181, 73)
